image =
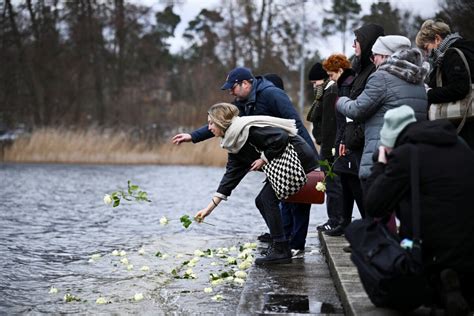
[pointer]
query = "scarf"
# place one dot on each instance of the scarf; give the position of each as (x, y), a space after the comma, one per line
(437, 54)
(238, 132)
(406, 64)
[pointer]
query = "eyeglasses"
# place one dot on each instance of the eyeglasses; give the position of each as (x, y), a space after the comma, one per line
(235, 85)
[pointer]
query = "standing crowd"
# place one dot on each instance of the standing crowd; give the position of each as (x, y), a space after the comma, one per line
(368, 114)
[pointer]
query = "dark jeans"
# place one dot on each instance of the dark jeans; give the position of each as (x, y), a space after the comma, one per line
(334, 200)
(295, 223)
(351, 191)
(268, 205)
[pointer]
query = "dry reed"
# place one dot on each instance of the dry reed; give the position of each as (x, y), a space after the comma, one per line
(95, 147)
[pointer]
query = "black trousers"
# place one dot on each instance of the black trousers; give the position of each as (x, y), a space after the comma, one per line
(351, 191)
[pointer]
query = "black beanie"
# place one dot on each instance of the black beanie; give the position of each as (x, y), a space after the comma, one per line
(317, 72)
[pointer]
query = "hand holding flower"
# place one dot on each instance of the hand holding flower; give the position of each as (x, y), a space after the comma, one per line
(202, 214)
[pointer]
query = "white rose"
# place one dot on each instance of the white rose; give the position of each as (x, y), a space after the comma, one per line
(320, 186)
(53, 290)
(217, 298)
(245, 265)
(101, 300)
(108, 199)
(145, 268)
(199, 253)
(141, 251)
(239, 281)
(122, 253)
(208, 290)
(115, 253)
(95, 256)
(138, 297)
(163, 221)
(240, 274)
(124, 261)
(333, 151)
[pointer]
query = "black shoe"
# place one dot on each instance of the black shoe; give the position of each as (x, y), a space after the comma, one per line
(265, 251)
(279, 252)
(454, 302)
(266, 237)
(347, 249)
(324, 227)
(337, 231)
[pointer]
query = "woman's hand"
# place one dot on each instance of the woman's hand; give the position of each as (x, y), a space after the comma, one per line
(383, 151)
(202, 214)
(342, 150)
(257, 164)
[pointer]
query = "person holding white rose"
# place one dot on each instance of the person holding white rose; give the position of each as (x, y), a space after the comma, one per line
(252, 142)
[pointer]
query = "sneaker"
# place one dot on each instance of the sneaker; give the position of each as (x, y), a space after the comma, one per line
(337, 231)
(297, 253)
(324, 227)
(266, 237)
(454, 302)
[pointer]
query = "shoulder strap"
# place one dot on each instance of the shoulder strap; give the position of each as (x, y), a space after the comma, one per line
(439, 83)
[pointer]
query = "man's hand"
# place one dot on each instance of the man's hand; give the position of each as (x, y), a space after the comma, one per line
(180, 138)
(257, 164)
(383, 151)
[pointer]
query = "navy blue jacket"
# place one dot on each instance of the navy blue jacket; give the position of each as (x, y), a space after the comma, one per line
(264, 99)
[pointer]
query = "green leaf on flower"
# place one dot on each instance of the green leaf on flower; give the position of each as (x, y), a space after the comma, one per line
(175, 273)
(158, 254)
(324, 163)
(185, 262)
(186, 221)
(208, 252)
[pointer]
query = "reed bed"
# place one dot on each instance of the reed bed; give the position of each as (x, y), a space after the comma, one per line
(51, 145)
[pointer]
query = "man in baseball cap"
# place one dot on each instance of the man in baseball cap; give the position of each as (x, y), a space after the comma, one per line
(236, 76)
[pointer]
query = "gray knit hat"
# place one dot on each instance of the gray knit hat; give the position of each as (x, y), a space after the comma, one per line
(394, 121)
(387, 45)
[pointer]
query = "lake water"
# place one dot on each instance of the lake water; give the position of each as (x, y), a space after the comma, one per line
(53, 220)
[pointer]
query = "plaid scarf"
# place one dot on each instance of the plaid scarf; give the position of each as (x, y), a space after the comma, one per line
(406, 64)
(437, 54)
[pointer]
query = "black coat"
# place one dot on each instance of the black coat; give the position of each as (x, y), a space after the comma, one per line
(328, 122)
(351, 161)
(446, 185)
(456, 83)
(272, 142)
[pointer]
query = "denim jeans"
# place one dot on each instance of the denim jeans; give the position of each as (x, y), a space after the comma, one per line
(295, 222)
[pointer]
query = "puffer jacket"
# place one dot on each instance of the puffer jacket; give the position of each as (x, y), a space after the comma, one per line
(384, 91)
(272, 142)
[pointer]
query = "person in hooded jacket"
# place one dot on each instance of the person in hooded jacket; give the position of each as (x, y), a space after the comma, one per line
(436, 39)
(447, 217)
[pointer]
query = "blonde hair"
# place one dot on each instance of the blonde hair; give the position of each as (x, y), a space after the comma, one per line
(336, 62)
(222, 114)
(429, 29)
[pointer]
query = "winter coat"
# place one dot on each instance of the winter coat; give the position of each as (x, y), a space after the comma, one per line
(328, 121)
(455, 81)
(272, 142)
(384, 91)
(351, 161)
(264, 99)
(447, 214)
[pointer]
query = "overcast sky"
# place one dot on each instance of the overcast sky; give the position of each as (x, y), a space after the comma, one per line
(190, 8)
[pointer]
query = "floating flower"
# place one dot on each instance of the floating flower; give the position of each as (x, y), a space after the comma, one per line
(213, 263)
(179, 255)
(244, 265)
(163, 221)
(208, 290)
(122, 253)
(124, 261)
(250, 245)
(217, 298)
(240, 274)
(115, 253)
(138, 297)
(145, 268)
(164, 256)
(95, 256)
(239, 281)
(53, 290)
(108, 199)
(320, 186)
(101, 301)
(231, 260)
(199, 253)
(68, 297)
(233, 249)
(141, 251)
(217, 282)
(245, 253)
(130, 267)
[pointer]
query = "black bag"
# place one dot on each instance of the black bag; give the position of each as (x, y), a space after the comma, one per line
(391, 275)
(354, 135)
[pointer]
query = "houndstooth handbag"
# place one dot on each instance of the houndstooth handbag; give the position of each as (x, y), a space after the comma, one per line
(285, 173)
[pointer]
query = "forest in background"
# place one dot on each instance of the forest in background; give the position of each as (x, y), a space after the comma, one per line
(84, 64)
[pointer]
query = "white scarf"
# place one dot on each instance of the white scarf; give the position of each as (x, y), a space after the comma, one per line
(238, 132)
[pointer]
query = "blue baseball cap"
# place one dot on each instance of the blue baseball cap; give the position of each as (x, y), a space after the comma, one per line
(237, 75)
